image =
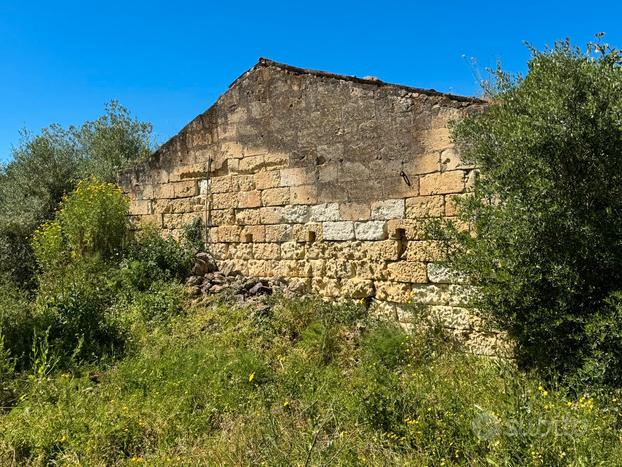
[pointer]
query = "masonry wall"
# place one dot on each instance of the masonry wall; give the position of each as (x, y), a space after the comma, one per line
(322, 180)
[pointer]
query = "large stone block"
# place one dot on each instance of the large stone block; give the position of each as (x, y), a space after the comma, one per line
(267, 179)
(371, 230)
(297, 176)
(244, 217)
(441, 274)
(253, 234)
(407, 271)
(354, 211)
(278, 233)
(275, 197)
(267, 251)
(223, 184)
(424, 206)
(338, 231)
(324, 212)
(442, 183)
(249, 199)
(304, 194)
(295, 214)
(224, 200)
(388, 209)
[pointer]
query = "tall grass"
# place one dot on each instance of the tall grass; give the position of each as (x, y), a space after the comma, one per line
(304, 383)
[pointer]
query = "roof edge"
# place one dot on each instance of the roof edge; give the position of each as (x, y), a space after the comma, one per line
(267, 63)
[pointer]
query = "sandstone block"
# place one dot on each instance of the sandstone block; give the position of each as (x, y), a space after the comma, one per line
(385, 250)
(411, 228)
(354, 211)
(276, 160)
(372, 230)
(429, 294)
(440, 274)
(309, 232)
(396, 187)
(297, 176)
(424, 206)
(251, 164)
(278, 233)
(393, 291)
(442, 183)
(228, 233)
(357, 288)
(267, 179)
(266, 251)
(407, 271)
(253, 234)
(271, 215)
(338, 231)
(275, 197)
(243, 251)
(295, 214)
(451, 208)
(292, 250)
(249, 199)
(245, 182)
(328, 172)
(244, 217)
(223, 184)
(423, 164)
(324, 212)
(304, 194)
(424, 250)
(224, 200)
(388, 209)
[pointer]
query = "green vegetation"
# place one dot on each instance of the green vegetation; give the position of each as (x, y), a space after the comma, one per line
(546, 210)
(304, 382)
(47, 166)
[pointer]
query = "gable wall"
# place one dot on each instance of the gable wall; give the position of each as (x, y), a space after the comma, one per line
(310, 178)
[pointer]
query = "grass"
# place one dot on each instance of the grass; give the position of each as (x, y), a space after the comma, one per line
(304, 383)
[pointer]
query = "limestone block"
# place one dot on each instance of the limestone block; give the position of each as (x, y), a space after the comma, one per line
(223, 184)
(396, 187)
(388, 209)
(228, 233)
(353, 171)
(297, 176)
(318, 267)
(267, 179)
(338, 231)
(423, 164)
(393, 291)
(357, 288)
(275, 197)
(324, 212)
(249, 199)
(241, 250)
(328, 172)
(385, 250)
(245, 182)
(326, 287)
(436, 139)
(454, 317)
(340, 268)
(407, 271)
(442, 183)
(371, 230)
(245, 217)
(306, 232)
(224, 200)
(440, 274)
(253, 234)
(186, 189)
(266, 251)
(295, 214)
(354, 211)
(251, 164)
(271, 215)
(424, 206)
(424, 250)
(413, 230)
(292, 250)
(429, 294)
(304, 194)
(278, 233)
(141, 207)
(219, 250)
(276, 160)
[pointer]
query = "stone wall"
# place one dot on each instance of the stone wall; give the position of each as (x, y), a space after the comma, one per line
(322, 179)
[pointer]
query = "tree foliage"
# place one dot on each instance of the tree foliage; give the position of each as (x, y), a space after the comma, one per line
(45, 167)
(547, 210)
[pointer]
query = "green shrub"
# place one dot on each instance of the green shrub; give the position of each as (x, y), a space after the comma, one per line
(93, 220)
(547, 249)
(151, 257)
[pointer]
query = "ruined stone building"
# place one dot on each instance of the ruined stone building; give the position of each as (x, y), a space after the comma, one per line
(319, 178)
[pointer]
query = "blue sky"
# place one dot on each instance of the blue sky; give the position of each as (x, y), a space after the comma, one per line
(168, 61)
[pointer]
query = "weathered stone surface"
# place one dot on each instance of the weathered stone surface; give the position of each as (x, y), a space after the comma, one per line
(440, 274)
(338, 231)
(442, 183)
(389, 209)
(372, 230)
(324, 212)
